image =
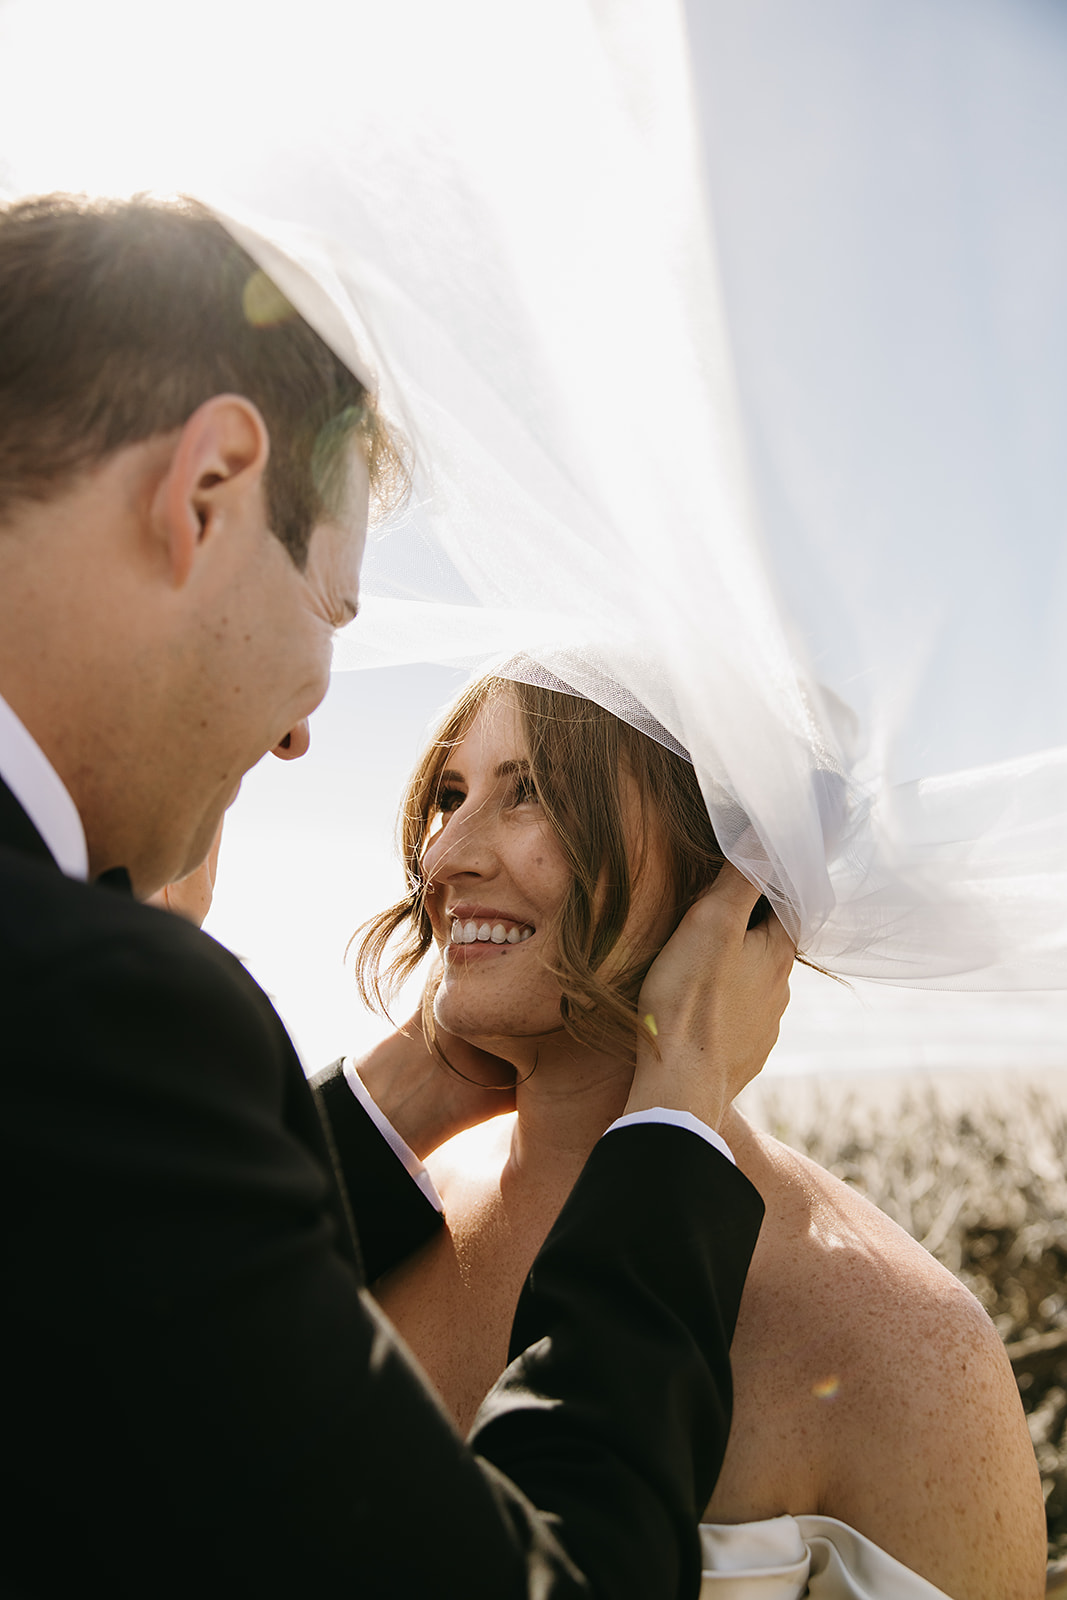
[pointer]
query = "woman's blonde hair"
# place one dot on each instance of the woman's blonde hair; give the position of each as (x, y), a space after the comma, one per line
(578, 754)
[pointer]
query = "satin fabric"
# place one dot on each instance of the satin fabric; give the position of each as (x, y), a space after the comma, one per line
(787, 1558)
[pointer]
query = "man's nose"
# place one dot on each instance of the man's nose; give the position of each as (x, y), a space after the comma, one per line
(296, 743)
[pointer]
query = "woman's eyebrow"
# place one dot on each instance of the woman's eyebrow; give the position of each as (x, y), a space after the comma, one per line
(517, 767)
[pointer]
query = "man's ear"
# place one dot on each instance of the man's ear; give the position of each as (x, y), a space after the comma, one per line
(218, 461)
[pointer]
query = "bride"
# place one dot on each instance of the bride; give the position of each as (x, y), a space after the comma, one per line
(878, 1443)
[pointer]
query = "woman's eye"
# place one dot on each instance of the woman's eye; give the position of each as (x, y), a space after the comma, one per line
(525, 793)
(449, 800)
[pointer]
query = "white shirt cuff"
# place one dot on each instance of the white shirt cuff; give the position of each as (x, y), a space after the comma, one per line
(678, 1119)
(403, 1152)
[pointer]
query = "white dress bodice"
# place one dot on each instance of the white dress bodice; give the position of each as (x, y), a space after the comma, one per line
(787, 1558)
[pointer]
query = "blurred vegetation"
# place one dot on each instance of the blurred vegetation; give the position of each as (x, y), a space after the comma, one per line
(985, 1190)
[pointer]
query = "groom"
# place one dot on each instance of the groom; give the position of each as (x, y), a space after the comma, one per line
(201, 1397)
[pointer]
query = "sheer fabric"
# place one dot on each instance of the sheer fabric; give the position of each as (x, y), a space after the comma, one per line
(673, 473)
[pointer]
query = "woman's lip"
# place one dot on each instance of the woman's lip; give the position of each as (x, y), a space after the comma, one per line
(490, 914)
(463, 953)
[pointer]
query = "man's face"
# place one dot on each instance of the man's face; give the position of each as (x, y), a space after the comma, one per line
(263, 664)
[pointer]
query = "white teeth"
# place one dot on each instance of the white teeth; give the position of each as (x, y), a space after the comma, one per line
(488, 933)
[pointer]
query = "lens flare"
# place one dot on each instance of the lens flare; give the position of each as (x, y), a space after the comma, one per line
(263, 303)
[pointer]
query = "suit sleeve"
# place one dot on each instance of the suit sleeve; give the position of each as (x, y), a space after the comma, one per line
(391, 1214)
(625, 1326)
(218, 1406)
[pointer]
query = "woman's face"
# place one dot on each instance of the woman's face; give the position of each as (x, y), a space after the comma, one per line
(497, 878)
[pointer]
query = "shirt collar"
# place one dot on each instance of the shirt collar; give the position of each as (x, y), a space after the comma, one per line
(42, 794)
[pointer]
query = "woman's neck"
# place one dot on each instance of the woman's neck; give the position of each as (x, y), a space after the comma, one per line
(563, 1107)
(568, 1100)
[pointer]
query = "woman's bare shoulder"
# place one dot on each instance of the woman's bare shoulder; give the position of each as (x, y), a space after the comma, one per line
(832, 1226)
(923, 1442)
(909, 1342)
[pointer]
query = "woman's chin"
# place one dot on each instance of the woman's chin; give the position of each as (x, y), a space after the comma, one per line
(458, 1017)
(513, 1039)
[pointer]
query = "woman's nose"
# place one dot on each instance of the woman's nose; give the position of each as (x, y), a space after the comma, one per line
(466, 844)
(296, 743)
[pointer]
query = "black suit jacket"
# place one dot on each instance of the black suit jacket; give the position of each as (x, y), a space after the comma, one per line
(200, 1397)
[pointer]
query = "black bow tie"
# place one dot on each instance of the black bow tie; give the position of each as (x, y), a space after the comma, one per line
(116, 878)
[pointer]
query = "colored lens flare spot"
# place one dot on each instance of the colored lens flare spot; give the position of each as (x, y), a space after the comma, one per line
(826, 1388)
(263, 303)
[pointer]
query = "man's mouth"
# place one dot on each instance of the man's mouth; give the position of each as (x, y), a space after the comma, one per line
(485, 932)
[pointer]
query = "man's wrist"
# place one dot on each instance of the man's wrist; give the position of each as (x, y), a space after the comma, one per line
(399, 1146)
(654, 1088)
(404, 1082)
(666, 1116)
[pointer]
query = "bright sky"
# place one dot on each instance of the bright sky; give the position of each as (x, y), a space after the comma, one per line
(308, 853)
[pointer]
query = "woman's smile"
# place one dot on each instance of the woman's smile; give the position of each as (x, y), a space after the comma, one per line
(478, 935)
(468, 925)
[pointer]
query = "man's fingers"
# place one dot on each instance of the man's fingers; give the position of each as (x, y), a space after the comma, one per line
(731, 906)
(734, 889)
(780, 936)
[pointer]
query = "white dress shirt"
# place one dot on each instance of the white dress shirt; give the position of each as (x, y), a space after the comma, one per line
(42, 794)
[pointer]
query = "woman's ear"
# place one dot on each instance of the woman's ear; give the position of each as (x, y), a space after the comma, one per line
(214, 475)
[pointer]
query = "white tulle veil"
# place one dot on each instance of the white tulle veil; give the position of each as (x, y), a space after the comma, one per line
(744, 405)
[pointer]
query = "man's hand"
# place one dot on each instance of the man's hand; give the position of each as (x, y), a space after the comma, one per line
(191, 897)
(425, 1101)
(711, 1004)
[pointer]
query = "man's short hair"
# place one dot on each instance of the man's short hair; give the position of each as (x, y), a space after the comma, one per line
(119, 318)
